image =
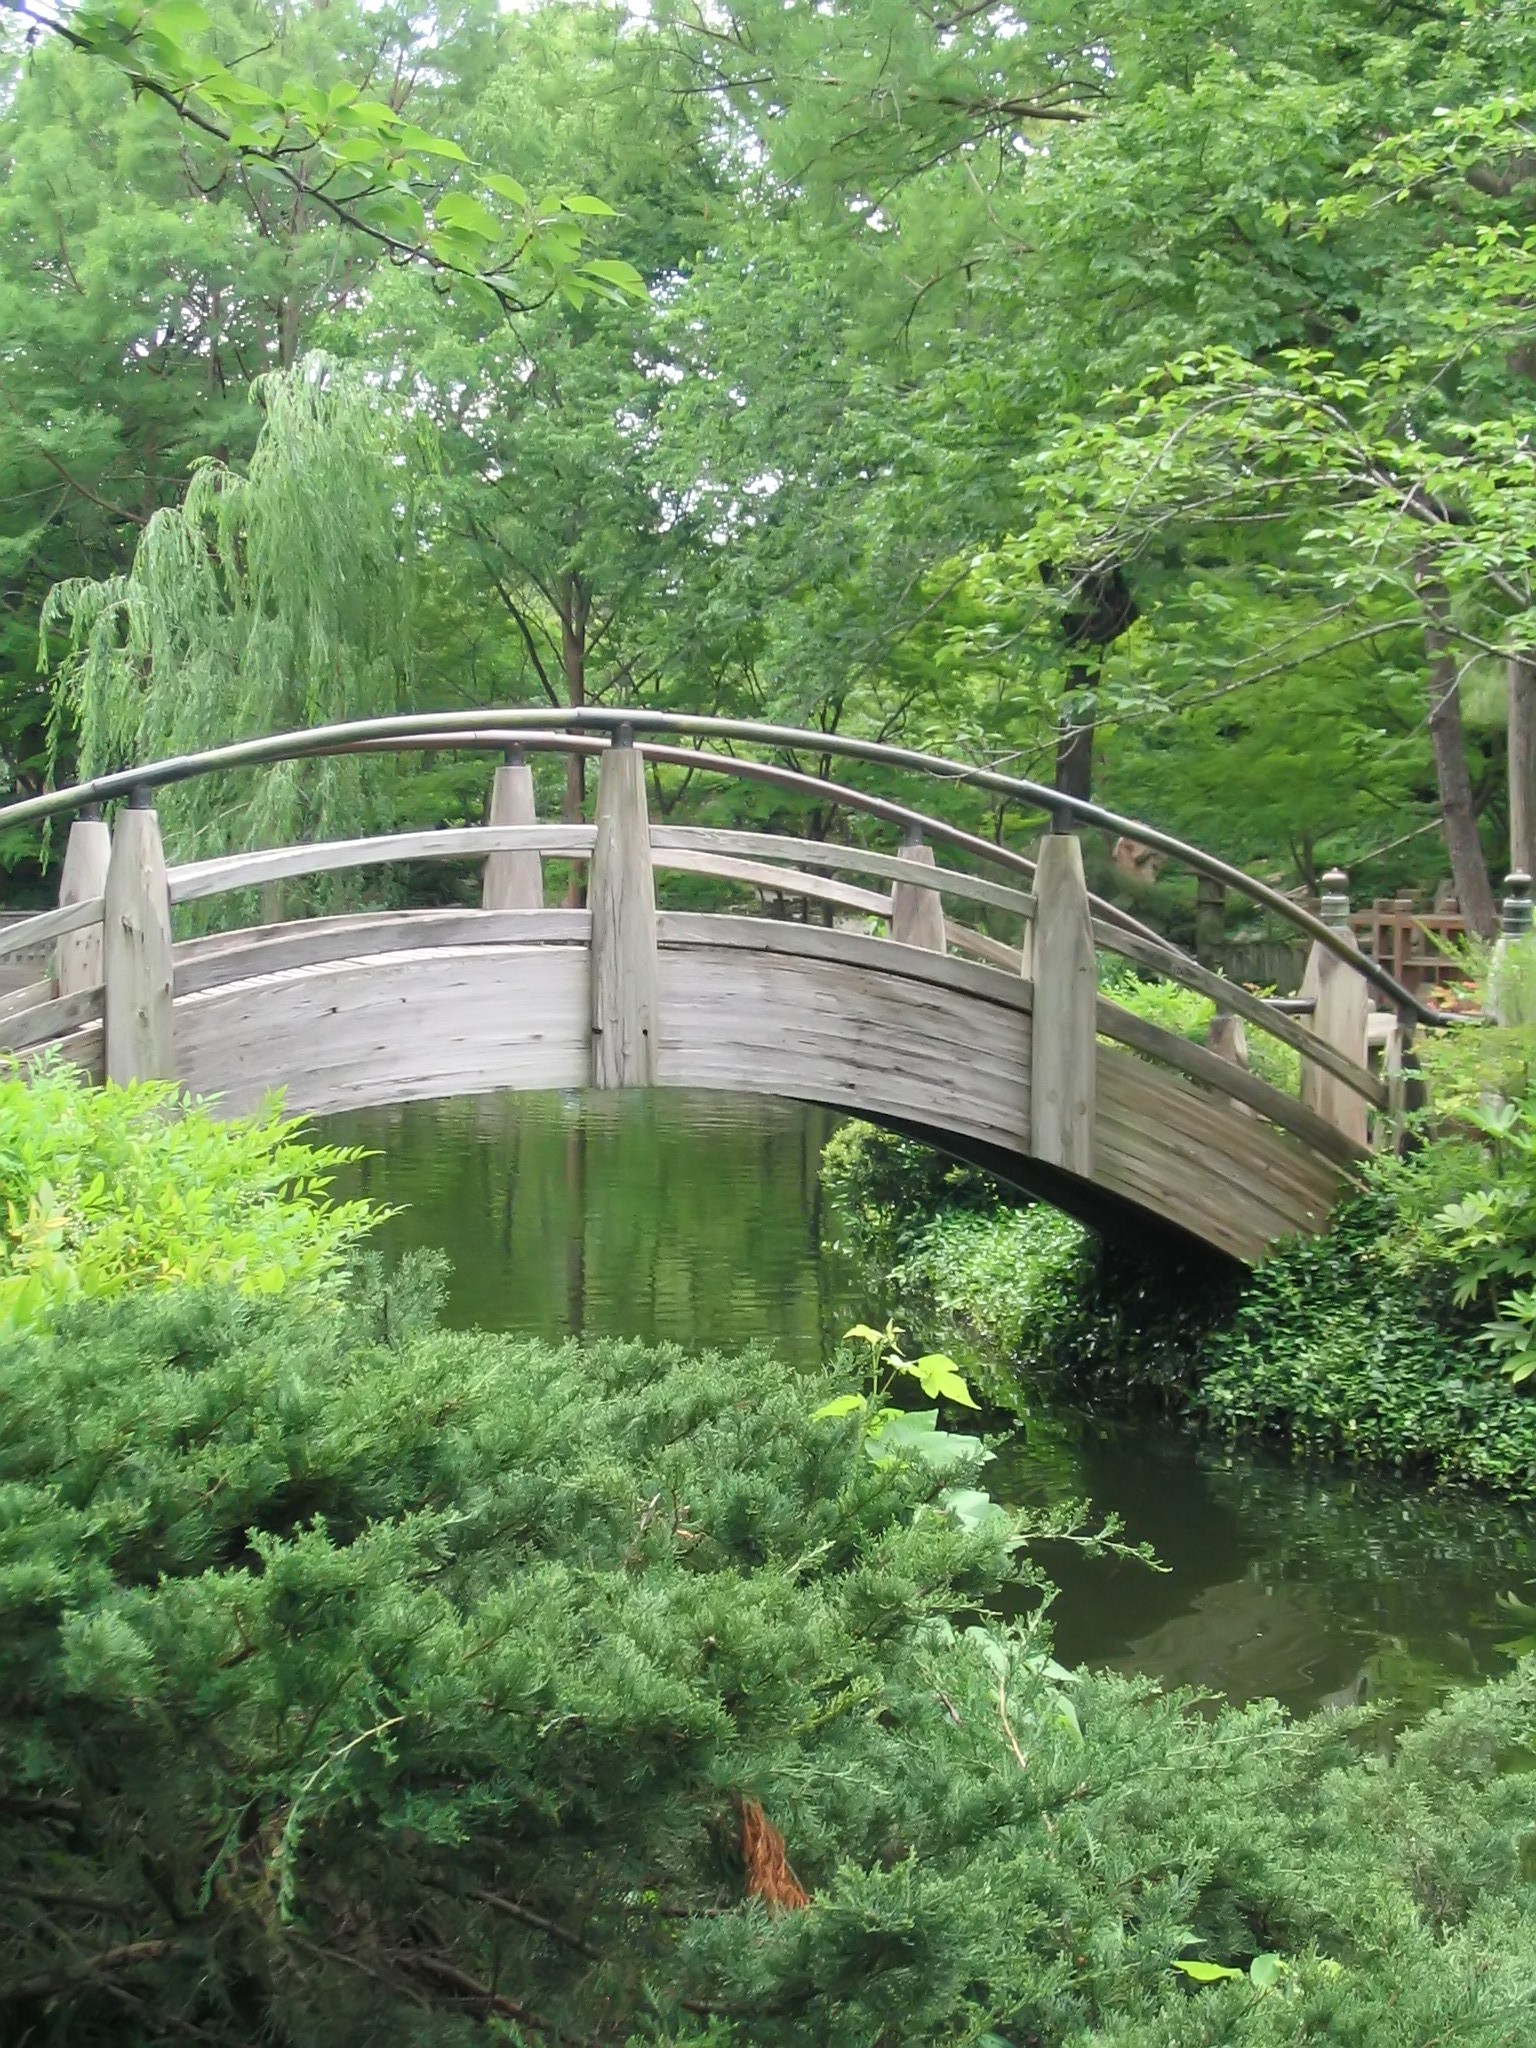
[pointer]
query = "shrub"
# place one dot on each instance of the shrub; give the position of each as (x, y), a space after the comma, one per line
(1188, 1014)
(107, 1190)
(362, 1684)
(887, 1187)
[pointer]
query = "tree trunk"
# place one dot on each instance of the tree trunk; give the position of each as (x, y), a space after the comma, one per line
(1074, 738)
(1522, 762)
(575, 610)
(1469, 870)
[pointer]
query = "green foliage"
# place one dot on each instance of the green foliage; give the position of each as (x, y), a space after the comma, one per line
(107, 1191)
(886, 1188)
(360, 158)
(1188, 1013)
(361, 1682)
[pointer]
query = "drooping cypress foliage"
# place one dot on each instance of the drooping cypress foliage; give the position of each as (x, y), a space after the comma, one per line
(269, 599)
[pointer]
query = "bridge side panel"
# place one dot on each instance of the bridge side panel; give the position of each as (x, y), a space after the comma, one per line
(400, 1027)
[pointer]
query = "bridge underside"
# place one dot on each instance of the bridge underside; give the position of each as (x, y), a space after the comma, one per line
(347, 1012)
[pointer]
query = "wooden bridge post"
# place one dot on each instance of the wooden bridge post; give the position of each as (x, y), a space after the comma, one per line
(917, 915)
(1064, 1058)
(87, 857)
(1341, 1016)
(621, 895)
(513, 881)
(136, 949)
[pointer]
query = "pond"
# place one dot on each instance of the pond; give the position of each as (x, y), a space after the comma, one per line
(701, 1219)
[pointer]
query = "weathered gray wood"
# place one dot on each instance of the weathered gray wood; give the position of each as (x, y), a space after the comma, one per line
(56, 1018)
(1226, 1078)
(399, 1028)
(1230, 995)
(1066, 990)
(225, 957)
(461, 842)
(980, 947)
(87, 856)
(36, 933)
(917, 915)
(513, 881)
(136, 952)
(1226, 1038)
(855, 949)
(1340, 1020)
(621, 896)
(852, 860)
(27, 998)
(763, 875)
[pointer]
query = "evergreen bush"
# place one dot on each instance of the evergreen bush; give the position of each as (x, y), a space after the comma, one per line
(361, 1683)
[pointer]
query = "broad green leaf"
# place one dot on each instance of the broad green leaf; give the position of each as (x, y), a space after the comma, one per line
(425, 144)
(462, 211)
(845, 1404)
(1265, 1971)
(505, 187)
(583, 202)
(1208, 1973)
(939, 1376)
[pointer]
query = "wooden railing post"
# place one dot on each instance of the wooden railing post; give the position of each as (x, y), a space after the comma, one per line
(136, 949)
(917, 915)
(1340, 1015)
(513, 881)
(87, 857)
(1064, 1058)
(621, 895)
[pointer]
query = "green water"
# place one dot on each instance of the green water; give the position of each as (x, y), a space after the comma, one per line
(701, 1219)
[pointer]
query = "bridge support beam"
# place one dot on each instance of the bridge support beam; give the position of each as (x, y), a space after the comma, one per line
(1064, 1049)
(136, 951)
(621, 895)
(1341, 1016)
(86, 860)
(917, 915)
(513, 881)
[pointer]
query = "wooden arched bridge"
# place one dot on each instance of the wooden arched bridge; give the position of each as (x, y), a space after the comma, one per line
(985, 1032)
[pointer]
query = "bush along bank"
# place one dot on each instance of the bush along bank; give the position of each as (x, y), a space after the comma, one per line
(1375, 1341)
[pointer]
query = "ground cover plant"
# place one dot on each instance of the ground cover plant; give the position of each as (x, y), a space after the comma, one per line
(362, 1681)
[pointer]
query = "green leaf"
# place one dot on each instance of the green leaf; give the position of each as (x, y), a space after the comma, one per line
(1265, 1971)
(468, 215)
(845, 1404)
(940, 1376)
(1207, 1973)
(612, 270)
(505, 187)
(425, 144)
(583, 202)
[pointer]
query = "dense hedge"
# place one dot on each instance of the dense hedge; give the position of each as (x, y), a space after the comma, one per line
(1339, 1345)
(363, 1684)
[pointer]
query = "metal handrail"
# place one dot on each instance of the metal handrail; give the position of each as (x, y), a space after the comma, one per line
(430, 728)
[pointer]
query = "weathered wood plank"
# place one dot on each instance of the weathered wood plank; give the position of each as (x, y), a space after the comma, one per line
(762, 874)
(398, 1028)
(199, 879)
(1242, 1002)
(1228, 1079)
(27, 998)
(852, 860)
(917, 915)
(136, 952)
(621, 897)
(225, 957)
(54, 1018)
(87, 857)
(513, 881)
(1065, 982)
(48, 925)
(1340, 1020)
(855, 949)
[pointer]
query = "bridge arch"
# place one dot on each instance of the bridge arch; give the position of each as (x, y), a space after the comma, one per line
(996, 1046)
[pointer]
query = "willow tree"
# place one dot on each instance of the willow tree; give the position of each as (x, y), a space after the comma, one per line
(275, 597)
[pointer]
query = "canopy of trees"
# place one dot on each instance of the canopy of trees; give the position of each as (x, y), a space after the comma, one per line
(1136, 394)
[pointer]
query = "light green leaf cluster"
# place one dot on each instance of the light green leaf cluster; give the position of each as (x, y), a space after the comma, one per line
(109, 1191)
